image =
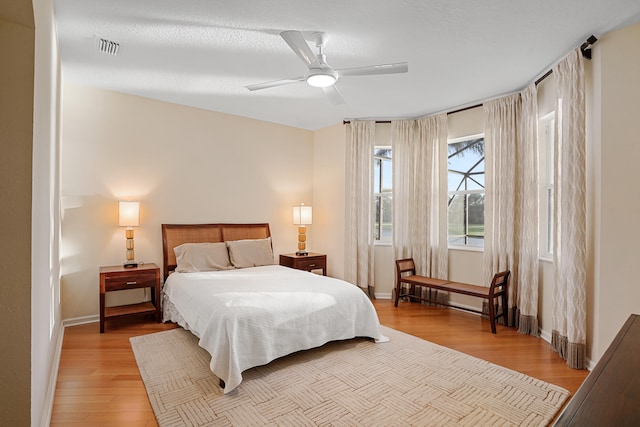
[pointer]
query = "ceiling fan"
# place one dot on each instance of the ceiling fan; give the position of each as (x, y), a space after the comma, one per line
(320, 73)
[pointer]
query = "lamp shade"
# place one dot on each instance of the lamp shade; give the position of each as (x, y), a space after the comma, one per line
(128, 214)
(302, 215)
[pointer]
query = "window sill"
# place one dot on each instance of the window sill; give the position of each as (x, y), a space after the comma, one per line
(466, 248)
(379, 243)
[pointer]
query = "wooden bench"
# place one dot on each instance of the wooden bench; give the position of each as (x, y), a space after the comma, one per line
(497, 289)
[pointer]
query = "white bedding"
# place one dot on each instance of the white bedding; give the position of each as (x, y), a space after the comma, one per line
(251, 316)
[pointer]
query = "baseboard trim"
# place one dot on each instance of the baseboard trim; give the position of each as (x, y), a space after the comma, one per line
(385, 295)
(74, 321)
(53, 378)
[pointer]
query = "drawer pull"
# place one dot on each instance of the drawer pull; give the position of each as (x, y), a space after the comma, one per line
(312, 265)
(132, 283)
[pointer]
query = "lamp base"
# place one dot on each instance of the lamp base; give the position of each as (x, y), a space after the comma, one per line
(130, 264)
(302, 253)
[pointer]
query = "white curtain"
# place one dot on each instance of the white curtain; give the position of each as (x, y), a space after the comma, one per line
(569, 249)
(527, 219)
(359, 206)
(403, 160)
(501, 133)
(419, 193)
(511, 202)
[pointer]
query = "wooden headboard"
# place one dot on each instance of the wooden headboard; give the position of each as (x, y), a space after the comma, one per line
(176, 234)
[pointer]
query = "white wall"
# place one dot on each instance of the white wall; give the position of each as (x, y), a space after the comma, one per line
(184, 165)
(46, 327)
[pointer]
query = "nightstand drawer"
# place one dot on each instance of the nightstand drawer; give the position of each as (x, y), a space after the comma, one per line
(129, 281)
(312, 261)
(310, 264)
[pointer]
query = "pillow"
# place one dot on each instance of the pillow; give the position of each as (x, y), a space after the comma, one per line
(250, 253)
(192, 257)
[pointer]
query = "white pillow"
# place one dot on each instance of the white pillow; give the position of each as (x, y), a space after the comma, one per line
(250, 253)
(192, 257)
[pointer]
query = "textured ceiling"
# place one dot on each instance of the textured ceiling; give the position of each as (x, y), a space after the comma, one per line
(203, 52)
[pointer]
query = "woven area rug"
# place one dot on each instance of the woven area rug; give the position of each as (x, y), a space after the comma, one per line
(405, 382)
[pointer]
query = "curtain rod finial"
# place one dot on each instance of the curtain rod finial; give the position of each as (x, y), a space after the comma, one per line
(585, 48)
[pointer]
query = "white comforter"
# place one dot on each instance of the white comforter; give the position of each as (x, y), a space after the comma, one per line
(249, 317)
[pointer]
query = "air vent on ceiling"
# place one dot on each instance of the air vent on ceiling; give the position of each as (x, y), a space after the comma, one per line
(108, 46)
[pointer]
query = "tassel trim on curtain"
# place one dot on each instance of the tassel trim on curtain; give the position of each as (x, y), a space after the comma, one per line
(528, 325)
(573, 353)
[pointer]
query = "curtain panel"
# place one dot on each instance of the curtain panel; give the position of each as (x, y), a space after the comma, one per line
(419, 193)
(527, 220)
(511, 203)
(501, 133)
(359, 255)
(569, 250)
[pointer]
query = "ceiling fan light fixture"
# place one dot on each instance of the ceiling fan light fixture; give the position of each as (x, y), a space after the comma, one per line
(321, 77)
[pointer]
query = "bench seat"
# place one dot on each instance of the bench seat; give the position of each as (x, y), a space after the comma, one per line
(497, 289)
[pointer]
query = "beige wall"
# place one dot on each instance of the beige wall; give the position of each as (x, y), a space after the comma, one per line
(184, 165)
(17, 43)
(117, 146)
(329, 153)
(616, 129)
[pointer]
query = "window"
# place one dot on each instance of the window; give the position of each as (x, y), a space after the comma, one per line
(466, 191)
(382, 184)
(546, 131)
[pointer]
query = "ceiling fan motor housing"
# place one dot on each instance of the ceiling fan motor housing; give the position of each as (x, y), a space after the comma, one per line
(321, 76)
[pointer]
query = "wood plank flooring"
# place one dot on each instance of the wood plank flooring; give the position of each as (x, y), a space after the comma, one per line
(99, 383)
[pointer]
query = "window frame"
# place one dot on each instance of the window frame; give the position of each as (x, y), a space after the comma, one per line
(546, 185)
(450, 194)
(379, 194)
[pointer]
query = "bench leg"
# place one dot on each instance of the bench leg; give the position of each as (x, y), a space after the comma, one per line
(505, 309)
(492, 316)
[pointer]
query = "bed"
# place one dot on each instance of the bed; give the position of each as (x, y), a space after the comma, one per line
(248, 311)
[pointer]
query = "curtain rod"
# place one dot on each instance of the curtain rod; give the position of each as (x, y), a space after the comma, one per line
(585, 49)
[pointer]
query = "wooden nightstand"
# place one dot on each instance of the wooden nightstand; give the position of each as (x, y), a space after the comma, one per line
(118, 278)
(309, 262)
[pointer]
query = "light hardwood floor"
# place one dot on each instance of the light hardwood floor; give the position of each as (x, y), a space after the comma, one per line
(99, 383)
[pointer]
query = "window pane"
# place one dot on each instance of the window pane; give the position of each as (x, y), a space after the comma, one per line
(376, 218)
(466, 219)
(387, 215)
(466, 192)
(476, 216)
(466, 165)
(376, 174)
(386, 175)
(382, 190)
(384, 152)
(456, 220)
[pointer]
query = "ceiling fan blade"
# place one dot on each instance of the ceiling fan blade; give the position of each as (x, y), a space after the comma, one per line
(275, 83)
(299, 45)
(333, 94)
(399, 67)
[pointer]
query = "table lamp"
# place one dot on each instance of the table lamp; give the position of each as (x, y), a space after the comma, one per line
(129, 216)
(302, 216)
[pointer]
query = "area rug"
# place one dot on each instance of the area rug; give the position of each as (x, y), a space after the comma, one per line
(405, 382)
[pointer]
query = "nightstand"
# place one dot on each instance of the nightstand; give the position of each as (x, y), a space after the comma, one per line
(313, 261)
(118, 278)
